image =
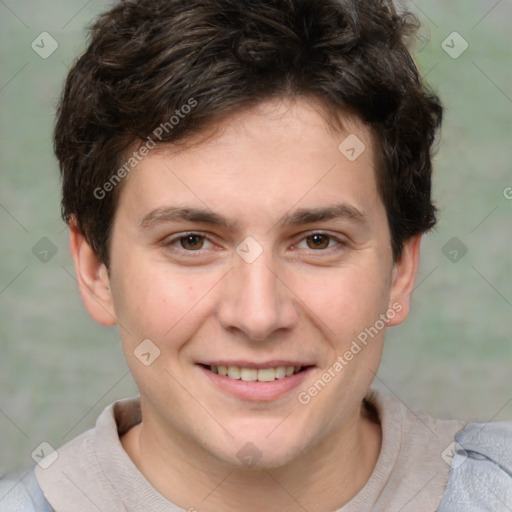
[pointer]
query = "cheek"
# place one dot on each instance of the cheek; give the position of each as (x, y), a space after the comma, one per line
(165, 308)
(345, 301)
(159, 304)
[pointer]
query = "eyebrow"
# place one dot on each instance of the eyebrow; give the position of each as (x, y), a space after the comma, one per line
(299, 217)
(176, 214)
(341, 211)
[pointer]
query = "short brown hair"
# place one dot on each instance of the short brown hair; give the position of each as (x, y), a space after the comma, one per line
(146, 59)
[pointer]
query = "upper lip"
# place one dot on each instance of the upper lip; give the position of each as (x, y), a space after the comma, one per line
(258, 366)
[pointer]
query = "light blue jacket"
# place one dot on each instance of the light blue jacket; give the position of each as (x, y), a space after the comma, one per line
(20, 492)
(480, 477)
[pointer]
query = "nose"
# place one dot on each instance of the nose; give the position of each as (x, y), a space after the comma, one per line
(255, 299)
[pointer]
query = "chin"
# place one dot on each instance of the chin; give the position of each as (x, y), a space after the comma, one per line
(260, 453)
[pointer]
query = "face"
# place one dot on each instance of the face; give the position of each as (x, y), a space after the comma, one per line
(264, 249)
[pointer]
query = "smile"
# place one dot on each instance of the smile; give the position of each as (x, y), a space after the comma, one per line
(255, 374)
(256, 381)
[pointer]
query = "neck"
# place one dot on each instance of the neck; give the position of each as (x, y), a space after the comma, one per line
(326, 477)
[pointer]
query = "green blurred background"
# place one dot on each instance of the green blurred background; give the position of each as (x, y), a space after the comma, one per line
(453, 357)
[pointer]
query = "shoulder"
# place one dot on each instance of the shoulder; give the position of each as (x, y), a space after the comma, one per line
(411, 472)
(20, 492)
(88, 467)
(481, 469)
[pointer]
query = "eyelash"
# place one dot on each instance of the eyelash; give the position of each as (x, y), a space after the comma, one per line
(172, 243)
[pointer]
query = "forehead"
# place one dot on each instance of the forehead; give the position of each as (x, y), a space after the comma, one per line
(297, 119)
(264, 159)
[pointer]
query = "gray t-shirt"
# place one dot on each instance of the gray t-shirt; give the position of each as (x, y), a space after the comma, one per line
(93, 472)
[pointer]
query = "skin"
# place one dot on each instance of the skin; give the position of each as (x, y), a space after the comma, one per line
(293, 302)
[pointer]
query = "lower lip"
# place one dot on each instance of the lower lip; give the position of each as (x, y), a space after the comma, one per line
(256, 390)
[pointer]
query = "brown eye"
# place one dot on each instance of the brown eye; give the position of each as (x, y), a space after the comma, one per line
(318, 241)
(192, 242)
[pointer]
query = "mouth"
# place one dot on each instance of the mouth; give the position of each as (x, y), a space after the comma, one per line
(256, 382)
(251, 374)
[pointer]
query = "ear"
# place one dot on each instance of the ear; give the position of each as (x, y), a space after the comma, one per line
(92, 277)
(404, 277)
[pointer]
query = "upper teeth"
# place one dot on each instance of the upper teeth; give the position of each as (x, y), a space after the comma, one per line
(251, 374)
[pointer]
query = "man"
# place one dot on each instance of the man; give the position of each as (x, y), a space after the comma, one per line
(246, 184)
